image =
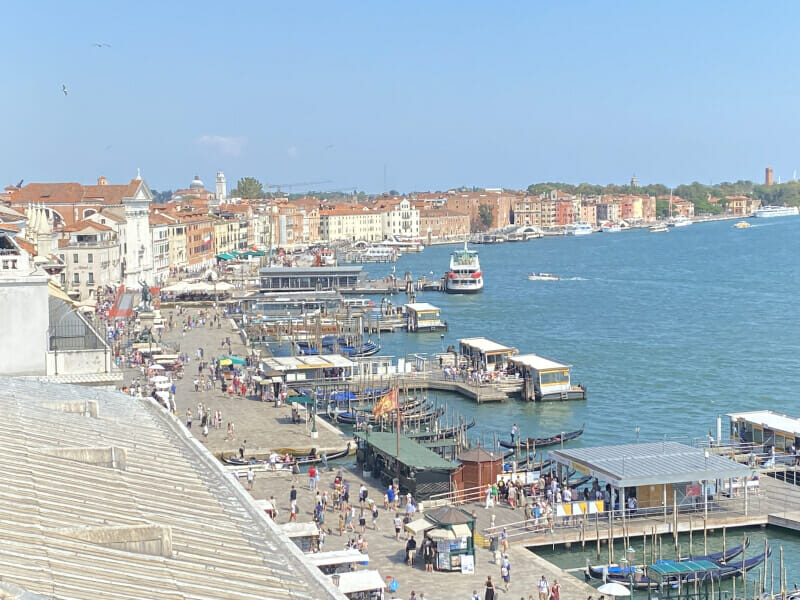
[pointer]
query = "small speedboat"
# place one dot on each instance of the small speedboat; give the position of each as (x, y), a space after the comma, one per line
(742, 225)
(543, 277)
(659, 228)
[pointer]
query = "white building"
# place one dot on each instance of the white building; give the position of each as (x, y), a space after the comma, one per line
(24, 314)
(137, 245)
(91, 253)
(355, 223)
(159, 234)
(400, 219)
(222, 189)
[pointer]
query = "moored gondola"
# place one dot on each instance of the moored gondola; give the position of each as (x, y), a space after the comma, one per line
(544, 441)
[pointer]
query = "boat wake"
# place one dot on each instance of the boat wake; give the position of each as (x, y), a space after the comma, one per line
(575, 278)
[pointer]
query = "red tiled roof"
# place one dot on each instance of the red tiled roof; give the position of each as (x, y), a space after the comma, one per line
(86, 224)
(26, 246)
(9, 227)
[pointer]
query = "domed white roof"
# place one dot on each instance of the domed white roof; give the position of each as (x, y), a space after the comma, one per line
(196, 184)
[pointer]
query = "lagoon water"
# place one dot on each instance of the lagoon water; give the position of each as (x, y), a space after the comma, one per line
(667, 331)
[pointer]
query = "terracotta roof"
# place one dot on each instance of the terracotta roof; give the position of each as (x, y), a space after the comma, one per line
(159, 219)
(9, 227)
(26, 246)
(86, 224)
(440, 212)
(111, 216)
(62, 193)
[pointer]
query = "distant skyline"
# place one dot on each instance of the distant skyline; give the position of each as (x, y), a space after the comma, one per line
(434, 95)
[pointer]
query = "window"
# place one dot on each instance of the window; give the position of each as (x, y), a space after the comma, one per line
(75, 259)
(63, 278)
(90, 258)
(91, 277)
(76, 278)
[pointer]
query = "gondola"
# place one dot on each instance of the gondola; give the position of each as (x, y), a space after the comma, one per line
(309, 459)
(353, 417)
(443, 434)
(330, 343)
(546, 441)
(720, 557)
(726, 571)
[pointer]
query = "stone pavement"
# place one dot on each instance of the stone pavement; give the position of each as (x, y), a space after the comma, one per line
(387, 554)
(260, 423)
(265, 427)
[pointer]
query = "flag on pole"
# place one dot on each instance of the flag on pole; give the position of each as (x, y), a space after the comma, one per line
(387, 403)
(207, 238)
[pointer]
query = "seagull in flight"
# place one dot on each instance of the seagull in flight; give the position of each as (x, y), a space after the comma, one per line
(64, 89)
(101, 45)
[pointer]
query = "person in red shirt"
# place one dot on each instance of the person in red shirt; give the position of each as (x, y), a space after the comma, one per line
(312, 477)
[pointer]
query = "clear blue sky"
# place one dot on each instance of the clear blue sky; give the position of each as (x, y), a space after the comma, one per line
(444, 94)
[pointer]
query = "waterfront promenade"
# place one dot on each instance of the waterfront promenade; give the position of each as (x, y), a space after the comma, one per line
(265, 427)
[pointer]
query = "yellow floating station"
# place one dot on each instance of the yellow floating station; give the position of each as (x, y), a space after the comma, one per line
(546, 379)
(421, 316)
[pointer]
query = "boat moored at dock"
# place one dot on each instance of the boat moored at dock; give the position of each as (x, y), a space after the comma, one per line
(580, 228)
(464, 276)
(546, 379)
(775, 211)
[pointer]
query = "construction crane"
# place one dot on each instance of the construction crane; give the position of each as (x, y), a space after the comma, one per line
(278, 186)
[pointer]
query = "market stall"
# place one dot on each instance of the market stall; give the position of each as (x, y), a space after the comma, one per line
(337, 561)
(452, 534)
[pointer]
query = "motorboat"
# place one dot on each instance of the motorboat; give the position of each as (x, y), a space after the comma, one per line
(610, 227)
(660, 227)
(581, 228)
(679, 221)
(543, 277)
(776, 211)
(464, 276)
(742, 225)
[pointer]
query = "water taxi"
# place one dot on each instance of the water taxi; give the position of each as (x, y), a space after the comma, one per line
(610, 227)
(742, 225)
(581, 228)
(776, 211)
(543, 277)
(659, 228)
(464, 276)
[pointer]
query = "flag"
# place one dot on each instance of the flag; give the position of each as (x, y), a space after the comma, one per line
(387, 403)
(207, 238)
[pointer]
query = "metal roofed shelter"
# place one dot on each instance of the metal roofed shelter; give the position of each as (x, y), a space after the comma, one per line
(331, 561)
(546, 379)
(651, 471)
(305, 535)
(767, 428)
(313, 278)
(484, 354)
(424, 317)
(422, 471)
(117, 499)
(667, 574)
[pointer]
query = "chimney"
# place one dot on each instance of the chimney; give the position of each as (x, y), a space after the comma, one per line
(102, 180)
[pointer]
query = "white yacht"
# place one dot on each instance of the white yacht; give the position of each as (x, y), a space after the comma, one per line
(660, 227)
(680, 221)
(464, 276)
(610, 227)
(776, 211)
(581, 228)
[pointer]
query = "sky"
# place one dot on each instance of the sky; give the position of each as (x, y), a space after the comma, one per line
(405, 95)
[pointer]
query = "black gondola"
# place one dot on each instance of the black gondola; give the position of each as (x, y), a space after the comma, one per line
(616, 571)
(545, 441)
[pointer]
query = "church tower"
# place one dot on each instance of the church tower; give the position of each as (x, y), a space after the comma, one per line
(222, 190)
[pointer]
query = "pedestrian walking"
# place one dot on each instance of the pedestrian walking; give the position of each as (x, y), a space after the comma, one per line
(488, 593)
(544, 589)
(251, 477)
(505, 572)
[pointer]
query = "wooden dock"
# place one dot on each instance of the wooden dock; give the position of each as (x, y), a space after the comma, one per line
(485, 392)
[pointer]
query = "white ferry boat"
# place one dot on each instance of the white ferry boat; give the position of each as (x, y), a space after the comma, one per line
(776, 211)
(379, 254)
(580, 229)
(610, 227)
(679, 221)
(464, 276)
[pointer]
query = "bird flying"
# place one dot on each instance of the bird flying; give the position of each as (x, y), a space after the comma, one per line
(64, 89)
(101, 45)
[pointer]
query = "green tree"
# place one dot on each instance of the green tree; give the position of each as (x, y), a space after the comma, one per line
(486, 215)
(248, 187)
(161, 197)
